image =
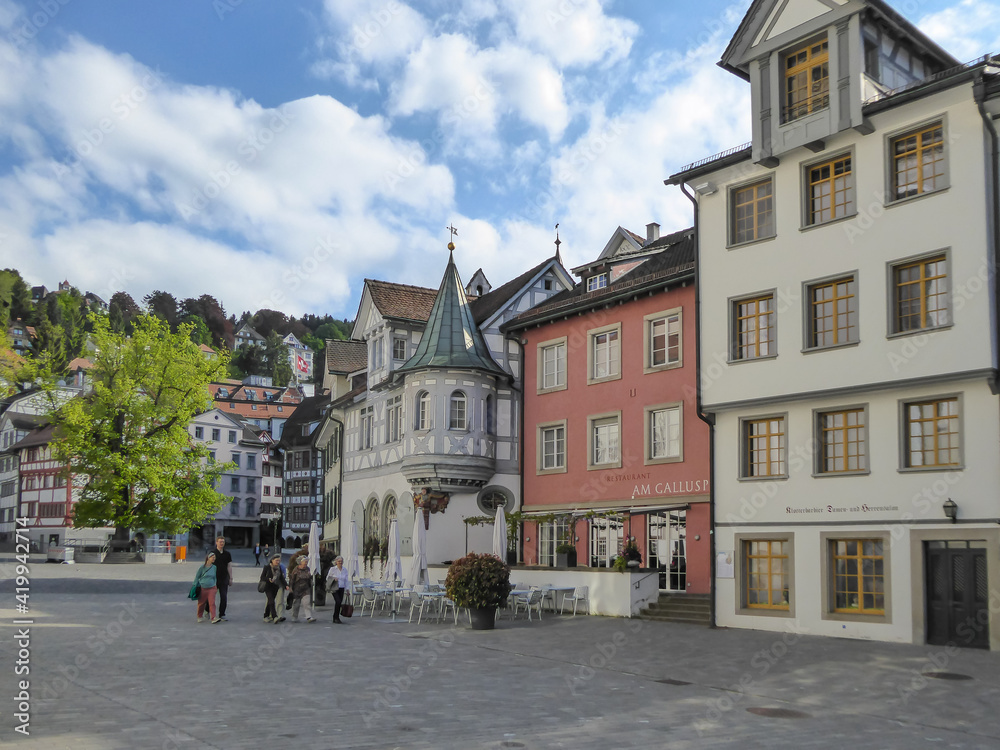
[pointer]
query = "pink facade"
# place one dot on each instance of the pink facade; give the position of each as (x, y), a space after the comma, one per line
(666, 496)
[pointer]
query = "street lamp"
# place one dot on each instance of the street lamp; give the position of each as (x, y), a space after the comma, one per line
(950, 508)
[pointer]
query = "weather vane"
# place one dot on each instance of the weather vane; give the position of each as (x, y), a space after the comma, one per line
(558, 241)
(451, 228)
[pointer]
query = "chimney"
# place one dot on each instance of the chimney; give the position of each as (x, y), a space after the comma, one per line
(652, 232)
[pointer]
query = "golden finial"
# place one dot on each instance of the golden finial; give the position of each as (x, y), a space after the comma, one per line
(451, 228)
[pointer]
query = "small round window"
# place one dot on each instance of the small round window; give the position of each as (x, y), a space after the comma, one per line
(494, 496)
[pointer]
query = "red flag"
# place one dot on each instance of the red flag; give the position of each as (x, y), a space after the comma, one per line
(301, 364)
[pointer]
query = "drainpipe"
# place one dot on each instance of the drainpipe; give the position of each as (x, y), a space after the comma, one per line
(979, 94)
(708, 419)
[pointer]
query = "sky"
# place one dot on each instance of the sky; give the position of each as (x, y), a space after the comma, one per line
(275, 153)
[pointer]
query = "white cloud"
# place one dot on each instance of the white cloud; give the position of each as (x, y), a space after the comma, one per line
(196, 183)
(572, 32)
(375, 32)
(471, 88)
(967, 30)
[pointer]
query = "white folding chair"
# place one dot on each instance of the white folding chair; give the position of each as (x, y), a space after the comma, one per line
(447, 603)
(417, 601)
(369, 598)
(533, 599)
(579, 595)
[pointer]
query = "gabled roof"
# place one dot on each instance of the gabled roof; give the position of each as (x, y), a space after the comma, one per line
(344, 357)
(672, 264)
(483, 308)
(310, 410)
(613, 249)
(763, 27)
(401, 301)
(37, 437)
(80, 363)
(452, 338)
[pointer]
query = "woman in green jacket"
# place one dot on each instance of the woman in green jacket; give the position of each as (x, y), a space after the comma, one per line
(205, 577)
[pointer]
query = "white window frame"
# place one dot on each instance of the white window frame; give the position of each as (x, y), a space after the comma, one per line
(559, 348)
(615, 346)
(424, 412)
(597, 422)
(597, 281)
(458, 411)
(676, 407)
(559, 466)
(649, 322)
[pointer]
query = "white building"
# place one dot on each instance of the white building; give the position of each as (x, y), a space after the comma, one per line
(435, 427)
(230, 439)
(848, 347)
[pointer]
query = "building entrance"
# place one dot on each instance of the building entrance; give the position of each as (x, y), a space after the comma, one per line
(668, 548)
(957, 594)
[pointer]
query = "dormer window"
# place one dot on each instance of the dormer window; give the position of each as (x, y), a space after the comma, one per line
(807, 80)
(598, 281)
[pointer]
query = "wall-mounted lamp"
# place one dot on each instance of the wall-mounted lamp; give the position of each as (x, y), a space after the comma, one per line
(527, 538)
(576, 539)
(950, 508)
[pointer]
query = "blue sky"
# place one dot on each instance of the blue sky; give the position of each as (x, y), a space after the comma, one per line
(275, 154)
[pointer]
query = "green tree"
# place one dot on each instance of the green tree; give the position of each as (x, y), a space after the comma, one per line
(276, 356)
(15, 297)
(128, 439)
(199, 331)
(121, 310)
(164, 306)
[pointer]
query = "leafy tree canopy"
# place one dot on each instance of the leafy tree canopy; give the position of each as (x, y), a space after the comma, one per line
(128, 439)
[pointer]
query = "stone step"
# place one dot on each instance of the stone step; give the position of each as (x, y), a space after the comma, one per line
(694, 609)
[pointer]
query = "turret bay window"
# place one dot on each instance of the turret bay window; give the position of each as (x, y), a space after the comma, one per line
(457, 419)
(491, 417)
(807, 80)
(423, 410)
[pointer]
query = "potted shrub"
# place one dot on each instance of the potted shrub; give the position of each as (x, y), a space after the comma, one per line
(630, 556)
(565, 555)
(481, 583)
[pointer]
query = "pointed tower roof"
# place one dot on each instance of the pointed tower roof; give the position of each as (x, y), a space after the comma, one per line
(452, 339)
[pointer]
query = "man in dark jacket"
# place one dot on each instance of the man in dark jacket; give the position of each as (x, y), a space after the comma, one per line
(224, 574)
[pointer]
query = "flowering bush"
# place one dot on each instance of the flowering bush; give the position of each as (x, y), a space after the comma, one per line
(478, 581)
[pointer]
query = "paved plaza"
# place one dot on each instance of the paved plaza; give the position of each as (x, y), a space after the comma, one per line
(118, 661)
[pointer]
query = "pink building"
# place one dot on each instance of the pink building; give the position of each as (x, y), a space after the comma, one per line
(613, 446)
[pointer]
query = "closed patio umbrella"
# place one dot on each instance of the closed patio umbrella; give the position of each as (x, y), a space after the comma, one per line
(313, 556)
(418, 569)
(394, 565)
(500, 534)
(350, 552)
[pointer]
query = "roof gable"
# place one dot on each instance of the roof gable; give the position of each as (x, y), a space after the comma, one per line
(345, 357)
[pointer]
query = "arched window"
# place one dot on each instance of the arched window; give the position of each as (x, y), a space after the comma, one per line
(457, 412)
(388, 513)
(372, 519)
(423, 411)
(491, 423)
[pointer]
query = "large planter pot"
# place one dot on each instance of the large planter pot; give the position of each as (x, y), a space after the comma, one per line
(483, 618)
(512, 557)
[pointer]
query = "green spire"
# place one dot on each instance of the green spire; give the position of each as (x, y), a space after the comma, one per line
(452, 339)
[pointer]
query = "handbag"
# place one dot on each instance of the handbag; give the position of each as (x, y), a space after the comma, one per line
(346, 610)
(288, 603)
(195, 591)
(262, 585)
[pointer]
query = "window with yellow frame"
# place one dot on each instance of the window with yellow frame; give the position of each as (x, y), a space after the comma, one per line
(918, 162)
(858, 576)
(932, 433)
(753, 212)
(831, 190)
(920, 294)
(765, 565)
(807, 80)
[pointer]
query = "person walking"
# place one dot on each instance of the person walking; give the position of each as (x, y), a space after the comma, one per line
(300, 580)
(256, 555)
(274, 587)
(339, 583)
(206, 578)
(267, 551)
(224, 573)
